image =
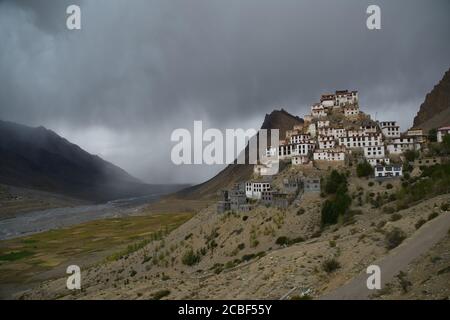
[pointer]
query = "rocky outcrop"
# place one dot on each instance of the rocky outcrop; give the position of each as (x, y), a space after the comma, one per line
(435, 110)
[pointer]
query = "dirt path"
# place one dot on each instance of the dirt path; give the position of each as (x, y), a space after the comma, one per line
(398, 259)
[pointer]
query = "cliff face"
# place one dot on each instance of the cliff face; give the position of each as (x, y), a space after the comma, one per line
(435, 110)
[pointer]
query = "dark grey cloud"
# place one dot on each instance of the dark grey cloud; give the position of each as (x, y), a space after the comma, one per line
(138, 69)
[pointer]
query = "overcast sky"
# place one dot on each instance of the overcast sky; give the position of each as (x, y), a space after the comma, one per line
(138, 69)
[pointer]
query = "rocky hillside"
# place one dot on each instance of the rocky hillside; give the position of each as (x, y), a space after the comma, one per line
(277, 119)
(435, 110)
(265, 254)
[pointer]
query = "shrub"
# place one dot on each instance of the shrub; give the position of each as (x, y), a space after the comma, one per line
(333, 208)
(330, 265)
(389, 186)
(160, 294)
(371, 184)
(432, 215)
(394, 238)
(445, 206)
(364, 169)
(410, 155)
(403, 281)
(300, 211)
(281, 241)
(296, 240)
(190, 258)
(420, 223)
(248, 257)
(396, 217)
(336, 182)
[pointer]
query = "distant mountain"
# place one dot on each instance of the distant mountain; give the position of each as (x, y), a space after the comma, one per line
(38, 158)
(435, 110)
(233, 173)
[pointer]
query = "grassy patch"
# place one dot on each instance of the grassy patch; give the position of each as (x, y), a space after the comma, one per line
(84, 244)
(15, 255)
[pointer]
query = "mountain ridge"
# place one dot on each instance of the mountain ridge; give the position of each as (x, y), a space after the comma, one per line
(39, 158)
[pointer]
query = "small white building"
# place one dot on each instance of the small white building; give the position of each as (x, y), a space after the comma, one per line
(253, 189)
(318, 111)
(351, 111)
(380, 161)
(329, 155)
(328, 100)
(355, 133)
(326, 142)
(390, 129)
(400, 145)
(388, 171)
(332, 132)
(375, 152)
(417, 134)
(345, 97)
(369, 128)
(441, 132)
(300, 138)
(323, 123)
(366, 140)
(299, 160)
(303, 149)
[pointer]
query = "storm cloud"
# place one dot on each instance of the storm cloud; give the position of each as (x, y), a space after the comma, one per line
(139, 69)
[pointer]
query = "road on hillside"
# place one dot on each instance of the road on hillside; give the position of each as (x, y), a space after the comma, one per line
(397, 260)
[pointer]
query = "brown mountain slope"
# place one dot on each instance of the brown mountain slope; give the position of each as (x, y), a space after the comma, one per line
(278, 119)
(435, 110)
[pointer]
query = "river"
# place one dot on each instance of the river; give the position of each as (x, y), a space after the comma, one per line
(44, 220)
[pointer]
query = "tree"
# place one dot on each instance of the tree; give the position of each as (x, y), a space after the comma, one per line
(411, 155)
(445, 145)
(336, 181)
(364, 169)
(335, 207)
(432, 135)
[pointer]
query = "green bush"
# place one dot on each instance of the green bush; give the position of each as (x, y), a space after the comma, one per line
(364, 169)
(281, 241)
(371, 183)
(330, 265)
(433, 215)
(435, 180)
(411, 155)
(396, 217)
(335, 207)
(389, 186)
(190, 258)
(394, 238)
(336, 182)
(420, 223)
(160, 294)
